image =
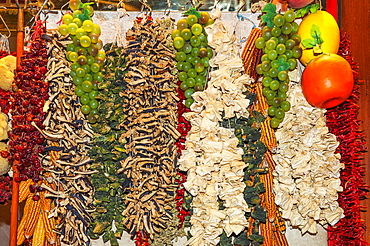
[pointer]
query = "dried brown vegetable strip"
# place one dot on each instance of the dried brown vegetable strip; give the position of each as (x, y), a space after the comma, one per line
(150, 105)
(65, 160)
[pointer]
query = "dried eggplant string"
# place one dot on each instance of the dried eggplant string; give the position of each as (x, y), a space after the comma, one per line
(212, 157)
(150, 105)
(65, 161)
(342, 121)
(108, 150)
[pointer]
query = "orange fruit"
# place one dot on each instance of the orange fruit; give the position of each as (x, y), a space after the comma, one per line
(327, 81)
(329, 34)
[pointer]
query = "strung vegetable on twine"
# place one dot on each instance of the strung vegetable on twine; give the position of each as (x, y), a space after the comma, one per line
(65, 159)
(108, 149)
(28, 98)
(274, 227)
(306, 176)
(342, 121)
(212, 157)
(150, 123)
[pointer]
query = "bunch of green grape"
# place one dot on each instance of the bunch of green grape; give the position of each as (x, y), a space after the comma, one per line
(193, 53)
(86, 55)
(280, 45)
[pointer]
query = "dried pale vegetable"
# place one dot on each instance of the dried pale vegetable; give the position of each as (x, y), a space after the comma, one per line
(108, 149)
(212, 158)
(65, 159)
(150, 123)
(4, 128)
(306, 177)
(5, 180)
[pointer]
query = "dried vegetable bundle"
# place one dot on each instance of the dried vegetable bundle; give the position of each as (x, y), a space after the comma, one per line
(31, 90)
(306, 178)
(30, 93)
(212, 157)
(65, 160)
(108, 149)
(247, 130)
(273, 228)
(342, 121)
(150, 107)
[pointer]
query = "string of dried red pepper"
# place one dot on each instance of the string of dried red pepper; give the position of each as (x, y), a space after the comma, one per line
(27, 102)
(141, 239)
(183, 127)
(342, 121)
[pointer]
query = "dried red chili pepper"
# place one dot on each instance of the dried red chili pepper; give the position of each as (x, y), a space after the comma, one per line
(27, 106)
(141, 239)
(183, 127)
(342, 121)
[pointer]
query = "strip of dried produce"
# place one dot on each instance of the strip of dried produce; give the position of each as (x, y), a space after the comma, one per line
(213, 157)
(108, 149)
(150, 108)
(306, 182)
(30, 91)
(274, 227)
(65, 159)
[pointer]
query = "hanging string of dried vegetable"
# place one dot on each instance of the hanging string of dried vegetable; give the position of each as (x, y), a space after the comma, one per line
(28, 98)
(306, 176)
(108, 149)
(65, 159)
(212, 157)
(342, 121)
(150, 107)
(274, 227)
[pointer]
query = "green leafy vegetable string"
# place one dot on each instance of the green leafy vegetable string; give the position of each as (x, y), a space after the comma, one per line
(108, 150)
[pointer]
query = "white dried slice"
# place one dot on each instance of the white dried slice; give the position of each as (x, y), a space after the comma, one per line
(212, 157)
(4, 164)
(4, 126)
(306, 178)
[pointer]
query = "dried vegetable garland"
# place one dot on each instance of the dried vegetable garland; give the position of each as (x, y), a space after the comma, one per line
(274, 227)
(108, 149)
(34, 227)
(30, 93)
(224, 138)
(182, 198)
(342, 121)
(28, 99)
(212, 157)
(65, 161)
(247, 130)
(306, 177)
(150, 108)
